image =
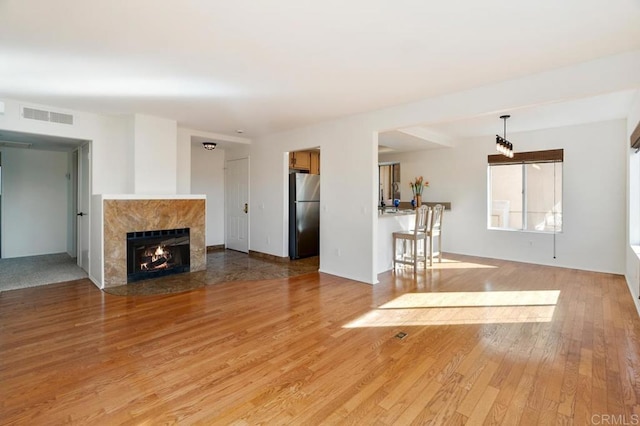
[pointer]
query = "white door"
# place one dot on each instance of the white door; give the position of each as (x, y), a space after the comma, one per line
(237, 205)
(84, 196)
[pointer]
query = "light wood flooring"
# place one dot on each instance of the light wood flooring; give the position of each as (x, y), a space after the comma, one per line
(487, 342)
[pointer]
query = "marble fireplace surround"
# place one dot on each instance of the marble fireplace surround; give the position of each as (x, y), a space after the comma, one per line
(137, 213)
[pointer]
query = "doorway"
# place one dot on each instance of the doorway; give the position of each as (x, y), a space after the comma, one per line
(303, 182)
(40, 195)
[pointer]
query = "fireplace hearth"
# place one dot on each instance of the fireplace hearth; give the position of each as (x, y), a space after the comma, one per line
(152, 254)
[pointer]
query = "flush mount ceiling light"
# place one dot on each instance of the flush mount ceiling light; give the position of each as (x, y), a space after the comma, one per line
(209, 146)
(503, 146)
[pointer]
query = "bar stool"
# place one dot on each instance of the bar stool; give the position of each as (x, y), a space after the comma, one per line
(434, 229)
(415, 236)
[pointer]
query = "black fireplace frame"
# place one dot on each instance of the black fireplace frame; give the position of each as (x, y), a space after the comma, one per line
(154, 238)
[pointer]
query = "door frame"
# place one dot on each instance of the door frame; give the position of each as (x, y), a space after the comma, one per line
(83, 239)
(73, 208)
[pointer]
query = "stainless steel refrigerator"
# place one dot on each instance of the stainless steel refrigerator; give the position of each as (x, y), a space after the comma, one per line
(304, 215)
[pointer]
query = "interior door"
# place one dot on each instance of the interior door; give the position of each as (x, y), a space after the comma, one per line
(84, 196)
(237, 206)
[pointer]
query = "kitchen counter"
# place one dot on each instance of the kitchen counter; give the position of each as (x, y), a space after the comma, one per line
(391, 212)
(388, 223)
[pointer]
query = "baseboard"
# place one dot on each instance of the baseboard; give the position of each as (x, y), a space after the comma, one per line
(269, 256)
(216, 247)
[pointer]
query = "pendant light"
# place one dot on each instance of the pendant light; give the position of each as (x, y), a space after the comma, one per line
(503, 146)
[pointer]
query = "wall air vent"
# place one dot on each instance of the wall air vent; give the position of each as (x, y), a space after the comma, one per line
(58, 117)
(35, 114)
(51, 116)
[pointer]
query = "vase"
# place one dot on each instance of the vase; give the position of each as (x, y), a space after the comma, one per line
(418, 200)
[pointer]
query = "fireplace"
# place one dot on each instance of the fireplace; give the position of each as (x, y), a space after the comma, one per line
(152, 254)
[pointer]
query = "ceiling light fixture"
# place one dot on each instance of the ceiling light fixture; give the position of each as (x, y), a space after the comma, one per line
(209, 146)
(503, 146)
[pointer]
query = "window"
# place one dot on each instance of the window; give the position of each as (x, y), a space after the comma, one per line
(389, 181)
(525, 192)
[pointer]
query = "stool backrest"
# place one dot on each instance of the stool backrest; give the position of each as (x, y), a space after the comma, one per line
(435, 220)
(422, 219)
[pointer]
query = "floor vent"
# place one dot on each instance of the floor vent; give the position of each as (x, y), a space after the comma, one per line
(43, 115)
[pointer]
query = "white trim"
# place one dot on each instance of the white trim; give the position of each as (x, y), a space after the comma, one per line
(153, 196)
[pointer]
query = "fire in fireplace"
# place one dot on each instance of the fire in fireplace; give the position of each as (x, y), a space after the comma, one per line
(152, 254)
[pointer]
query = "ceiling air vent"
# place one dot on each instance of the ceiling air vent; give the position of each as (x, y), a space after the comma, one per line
(51, 116)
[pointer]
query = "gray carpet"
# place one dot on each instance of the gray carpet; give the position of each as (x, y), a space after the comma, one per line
(31, 271)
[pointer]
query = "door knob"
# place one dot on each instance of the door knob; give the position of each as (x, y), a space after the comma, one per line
(80, 214)
(246, 207)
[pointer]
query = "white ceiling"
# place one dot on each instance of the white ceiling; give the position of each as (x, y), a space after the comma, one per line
(610, 106)
(261, 66)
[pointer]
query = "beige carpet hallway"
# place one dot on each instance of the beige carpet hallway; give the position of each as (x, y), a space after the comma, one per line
(33, 271)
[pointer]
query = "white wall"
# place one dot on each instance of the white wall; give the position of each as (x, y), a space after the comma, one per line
(72, 203)
(632, 273)
(34, 202)
(183, 161)
(97, 237)
(347, 195)
(207, 177)
(594, 213)
(155, 150)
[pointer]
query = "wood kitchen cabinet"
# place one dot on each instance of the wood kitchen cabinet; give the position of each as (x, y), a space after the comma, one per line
(300, 160)
(315, 163)
(305, 160)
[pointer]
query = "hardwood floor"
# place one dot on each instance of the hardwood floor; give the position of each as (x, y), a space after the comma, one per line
(488, 342)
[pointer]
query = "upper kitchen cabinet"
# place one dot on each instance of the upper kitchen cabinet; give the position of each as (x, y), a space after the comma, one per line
(300, 160)
(308, 161)
(315, 163)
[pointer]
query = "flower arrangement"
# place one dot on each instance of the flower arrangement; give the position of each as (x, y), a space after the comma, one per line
(418, 185)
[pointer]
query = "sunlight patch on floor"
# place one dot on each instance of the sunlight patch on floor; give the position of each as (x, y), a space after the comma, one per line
(456, 264)
(496, 307)
(474, 298)
(452, 316)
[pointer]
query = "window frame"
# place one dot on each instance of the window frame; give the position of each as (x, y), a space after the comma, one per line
(523, 159)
